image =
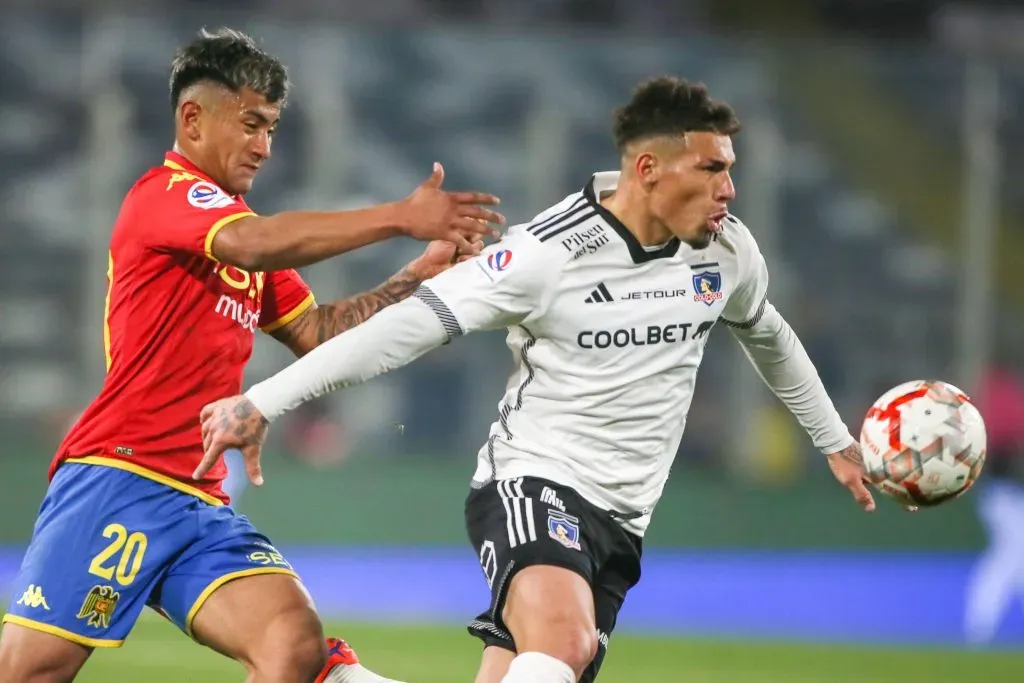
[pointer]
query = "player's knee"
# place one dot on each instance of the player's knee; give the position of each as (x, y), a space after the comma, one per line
(28, 665)
(293, 648)
(550, 610)
(577, 646)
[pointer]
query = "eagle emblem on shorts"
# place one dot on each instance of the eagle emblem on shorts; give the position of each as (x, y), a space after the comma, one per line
(99, 605)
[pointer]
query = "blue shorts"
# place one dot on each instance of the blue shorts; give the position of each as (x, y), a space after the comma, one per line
(108, 542)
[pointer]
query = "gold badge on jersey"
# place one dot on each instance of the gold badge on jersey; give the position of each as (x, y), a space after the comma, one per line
(99, 605)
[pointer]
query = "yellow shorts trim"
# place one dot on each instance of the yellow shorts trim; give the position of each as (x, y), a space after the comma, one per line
(217, 227)
(217, 583)
(60, 632)
(291, 315)
(147, 474)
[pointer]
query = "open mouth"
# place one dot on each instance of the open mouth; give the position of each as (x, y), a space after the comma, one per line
(715, 220)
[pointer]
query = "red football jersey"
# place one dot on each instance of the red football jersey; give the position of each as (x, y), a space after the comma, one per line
(179, 329)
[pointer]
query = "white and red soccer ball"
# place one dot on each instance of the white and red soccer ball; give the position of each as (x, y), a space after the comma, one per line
(923, 443)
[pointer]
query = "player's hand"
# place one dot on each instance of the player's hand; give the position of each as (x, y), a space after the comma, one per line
(431, 213)
(232, 423)
(439, 256)
(848, 467)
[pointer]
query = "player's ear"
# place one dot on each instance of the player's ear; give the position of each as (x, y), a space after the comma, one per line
(647, 169)
(189, 113)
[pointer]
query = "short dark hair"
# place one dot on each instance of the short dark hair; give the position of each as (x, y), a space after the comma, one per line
(229, 58)
(672, 106)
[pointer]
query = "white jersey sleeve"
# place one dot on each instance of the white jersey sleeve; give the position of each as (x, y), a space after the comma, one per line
(507, 284)
(776, 352)
(503, 286)
(746, 305)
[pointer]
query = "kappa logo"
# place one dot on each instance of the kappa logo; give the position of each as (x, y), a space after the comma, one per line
(33, 597)
(181, 176)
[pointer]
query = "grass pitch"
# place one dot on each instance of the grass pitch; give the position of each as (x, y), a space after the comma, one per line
(157, 653)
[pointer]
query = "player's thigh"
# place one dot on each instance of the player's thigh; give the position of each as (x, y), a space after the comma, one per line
(100, 544)
(234, 592)
(266, 621)
(31, 656)
(610, 587)
(538, 562)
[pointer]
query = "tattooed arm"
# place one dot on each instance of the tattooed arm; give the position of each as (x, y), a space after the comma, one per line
(320, 323)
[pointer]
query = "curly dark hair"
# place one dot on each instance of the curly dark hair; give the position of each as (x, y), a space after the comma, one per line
(229, 58)
(671, 106)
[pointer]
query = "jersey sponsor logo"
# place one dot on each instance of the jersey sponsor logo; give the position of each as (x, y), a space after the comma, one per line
(236, 310)
(236, 278)
(643, 336)
(601, 295)
(564, 528)
(643, 294)
(33, 597)
(205, 195)
(499, 260)
(99, 605)
(586, 241)
(269, 557)
(707, 287)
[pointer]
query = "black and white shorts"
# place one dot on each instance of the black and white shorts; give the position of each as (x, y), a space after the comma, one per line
(518, 523)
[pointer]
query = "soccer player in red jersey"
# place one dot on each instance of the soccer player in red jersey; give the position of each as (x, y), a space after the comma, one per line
(193, 274)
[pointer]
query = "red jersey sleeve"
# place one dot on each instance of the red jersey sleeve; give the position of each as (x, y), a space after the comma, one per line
(286, 296)
(183, 212)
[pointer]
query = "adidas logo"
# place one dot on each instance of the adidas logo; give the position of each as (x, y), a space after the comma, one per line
(601, 295)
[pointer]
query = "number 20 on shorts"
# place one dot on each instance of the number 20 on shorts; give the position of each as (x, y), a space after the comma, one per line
(122, 557)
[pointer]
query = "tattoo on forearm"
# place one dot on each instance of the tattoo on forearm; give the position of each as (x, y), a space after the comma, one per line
(339, 316)
(852, 454)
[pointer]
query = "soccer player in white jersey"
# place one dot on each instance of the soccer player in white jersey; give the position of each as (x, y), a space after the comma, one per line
(609, 298)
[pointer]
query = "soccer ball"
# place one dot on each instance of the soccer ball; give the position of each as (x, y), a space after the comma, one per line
(923, 443)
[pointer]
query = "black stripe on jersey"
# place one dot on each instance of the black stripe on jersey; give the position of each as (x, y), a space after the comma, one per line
(749, 323)
(506, 409)
(524, 356)
(582, 218)
(709, 264)
(444, 314)
(539, 226)
(546, 224)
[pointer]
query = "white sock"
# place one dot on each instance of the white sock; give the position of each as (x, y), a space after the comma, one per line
(537, 667)
(354, 673)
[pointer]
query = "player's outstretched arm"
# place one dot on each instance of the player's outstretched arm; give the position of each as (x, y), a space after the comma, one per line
(293, 239)
(503, 286)
(320, 323)
(782, 362)
(393, 338)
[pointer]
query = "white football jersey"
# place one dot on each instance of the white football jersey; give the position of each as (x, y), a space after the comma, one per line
(607, 337)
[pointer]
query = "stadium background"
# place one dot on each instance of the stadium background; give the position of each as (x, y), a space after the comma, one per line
(879, 167)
